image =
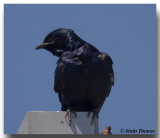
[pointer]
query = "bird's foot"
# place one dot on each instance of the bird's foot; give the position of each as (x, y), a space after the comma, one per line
(68, 115)
(95, 113)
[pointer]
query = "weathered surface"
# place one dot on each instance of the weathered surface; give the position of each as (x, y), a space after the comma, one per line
(55, 122)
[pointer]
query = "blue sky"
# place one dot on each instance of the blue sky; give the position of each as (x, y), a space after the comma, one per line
(126, 32)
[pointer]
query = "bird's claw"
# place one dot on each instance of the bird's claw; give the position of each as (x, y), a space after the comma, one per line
(88, 114)
(75, 114)
(95, 113)
(68, 114)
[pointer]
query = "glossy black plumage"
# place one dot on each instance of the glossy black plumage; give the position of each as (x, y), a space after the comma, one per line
(83, 76)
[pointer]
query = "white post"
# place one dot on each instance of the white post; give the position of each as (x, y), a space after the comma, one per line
(55, 122)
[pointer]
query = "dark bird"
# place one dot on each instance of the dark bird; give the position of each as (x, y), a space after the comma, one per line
(83, 76)
(106, 131)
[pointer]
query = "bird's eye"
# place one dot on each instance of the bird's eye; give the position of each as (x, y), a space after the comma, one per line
(50, 40)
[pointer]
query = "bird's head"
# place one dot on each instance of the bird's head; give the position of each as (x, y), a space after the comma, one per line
(61, 40)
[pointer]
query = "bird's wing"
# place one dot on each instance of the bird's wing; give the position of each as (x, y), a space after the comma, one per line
(59, 83)
(107, 61)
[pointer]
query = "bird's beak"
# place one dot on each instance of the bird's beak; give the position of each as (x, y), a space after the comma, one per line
(44, 45)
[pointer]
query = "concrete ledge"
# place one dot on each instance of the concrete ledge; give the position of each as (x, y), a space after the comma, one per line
(55, 122)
